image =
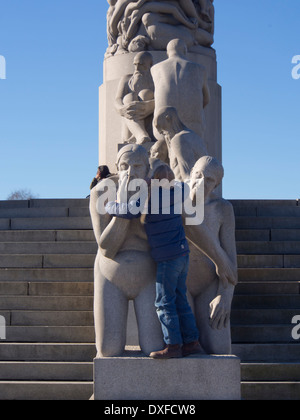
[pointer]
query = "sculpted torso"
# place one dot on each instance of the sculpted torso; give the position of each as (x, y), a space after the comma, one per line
(180, 84)
(124, 269)
(132, 268)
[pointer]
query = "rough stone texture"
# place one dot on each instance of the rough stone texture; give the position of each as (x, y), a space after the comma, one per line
(191, 378)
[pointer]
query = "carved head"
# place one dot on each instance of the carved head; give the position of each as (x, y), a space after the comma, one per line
(176, 47)
(167, 122)
(142, 62)
(211, 170)
(133, 159)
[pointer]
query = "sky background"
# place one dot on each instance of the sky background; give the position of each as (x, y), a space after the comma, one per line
(54, 52)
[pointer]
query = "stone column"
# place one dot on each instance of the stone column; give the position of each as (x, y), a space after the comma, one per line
(110, 122)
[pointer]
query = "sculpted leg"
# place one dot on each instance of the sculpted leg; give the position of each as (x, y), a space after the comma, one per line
(110, 313)
(213, 341)
(150, 334)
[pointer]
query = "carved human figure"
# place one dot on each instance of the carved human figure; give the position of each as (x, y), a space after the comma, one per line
(159, 150)
(181, 84)
(124, 269)
(133, 25)
(135, 12)
(163, 21)
(211, 295)
(184, 145)
(114, 16)
(135, 101)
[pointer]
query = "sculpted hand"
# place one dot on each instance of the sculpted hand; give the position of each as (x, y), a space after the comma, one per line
(219, 313)
(129, 111)
(136, 110)
(122, 190)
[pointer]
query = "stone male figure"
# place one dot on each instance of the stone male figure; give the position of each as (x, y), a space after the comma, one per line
(211, 292)
(124, 269)
(135, 101)
(184, 145)
(183, 85)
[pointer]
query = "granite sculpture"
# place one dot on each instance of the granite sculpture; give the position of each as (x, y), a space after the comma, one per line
(210, 290)
(181, 84)
(185, 147)
(135, 101)
(166, 102)
(143, 24)
(124, 269)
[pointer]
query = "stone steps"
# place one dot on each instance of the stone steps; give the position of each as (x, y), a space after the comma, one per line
(54, 275)
(47, 289)
(46, 235)
(48, 352)
(47, 261)
(46, 371)
(47, 253)
(266, 333)
(46, 390)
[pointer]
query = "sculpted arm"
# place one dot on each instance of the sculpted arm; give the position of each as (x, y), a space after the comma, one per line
(110, 232)
(182, 146)
(209, 244)
(117, 15)
(184, 154)
(122, 91)
(221, 306)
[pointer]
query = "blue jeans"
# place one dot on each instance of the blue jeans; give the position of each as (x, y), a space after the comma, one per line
(174, 312)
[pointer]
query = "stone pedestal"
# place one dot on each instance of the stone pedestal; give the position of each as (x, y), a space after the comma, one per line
(110, 122)
(138, 378)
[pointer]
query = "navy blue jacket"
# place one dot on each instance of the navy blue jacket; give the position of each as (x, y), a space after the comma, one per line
(165, 232)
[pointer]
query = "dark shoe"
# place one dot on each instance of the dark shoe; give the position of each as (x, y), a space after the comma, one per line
(191, 348)
(172, 351)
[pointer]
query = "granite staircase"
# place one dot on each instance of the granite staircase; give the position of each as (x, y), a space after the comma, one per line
(47, 252)
(267, 298)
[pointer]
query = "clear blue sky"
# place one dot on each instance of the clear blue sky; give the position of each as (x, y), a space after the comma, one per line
(49, 102)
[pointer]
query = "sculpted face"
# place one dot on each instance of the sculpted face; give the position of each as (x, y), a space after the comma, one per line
(134, 168)
(205, 169)
(142, 62)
